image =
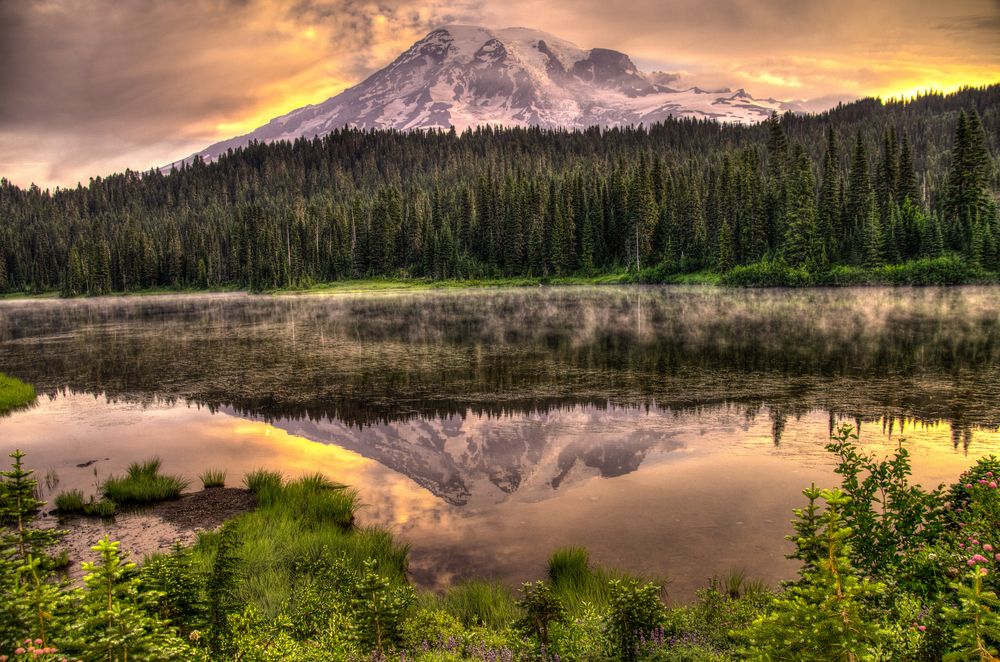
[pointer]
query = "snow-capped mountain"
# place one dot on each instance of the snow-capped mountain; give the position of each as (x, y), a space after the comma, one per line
(464, 76)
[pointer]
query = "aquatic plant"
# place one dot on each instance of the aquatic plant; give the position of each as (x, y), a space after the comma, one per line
(70, 502)
(213, 478)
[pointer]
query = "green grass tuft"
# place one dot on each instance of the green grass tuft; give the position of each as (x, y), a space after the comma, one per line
(213, 478)
(70, 502)
(579, 583)
(147, 469)
(14, 394)
(103, 508)
(476, 602)
(260, 479)
(143, 484)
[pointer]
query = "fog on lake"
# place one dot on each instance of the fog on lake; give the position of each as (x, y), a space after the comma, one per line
(670, 429)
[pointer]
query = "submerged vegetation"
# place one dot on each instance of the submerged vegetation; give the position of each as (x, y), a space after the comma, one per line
(14, 394)
(888, 572)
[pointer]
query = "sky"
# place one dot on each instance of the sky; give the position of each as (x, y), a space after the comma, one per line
(92, 87)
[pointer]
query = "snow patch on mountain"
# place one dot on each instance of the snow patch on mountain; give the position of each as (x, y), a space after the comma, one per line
(464, 76)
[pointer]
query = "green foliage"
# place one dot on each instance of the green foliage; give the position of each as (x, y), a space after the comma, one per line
(824, 617)
(213, 478)
(889, 519)
(378, 609)
(172, 576)
(114, 621)
(976, 619)
(14, 394)
(541, 611)
(635, 611)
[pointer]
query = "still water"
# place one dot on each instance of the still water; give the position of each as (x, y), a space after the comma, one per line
(669, 429)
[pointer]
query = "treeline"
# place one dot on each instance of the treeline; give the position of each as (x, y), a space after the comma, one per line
(866, 185)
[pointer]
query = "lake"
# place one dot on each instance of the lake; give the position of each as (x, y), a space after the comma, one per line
(669, 429)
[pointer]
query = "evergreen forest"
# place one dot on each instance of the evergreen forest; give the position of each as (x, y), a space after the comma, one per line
(898, 191)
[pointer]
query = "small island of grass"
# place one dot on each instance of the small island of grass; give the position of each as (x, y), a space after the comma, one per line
(14, 394)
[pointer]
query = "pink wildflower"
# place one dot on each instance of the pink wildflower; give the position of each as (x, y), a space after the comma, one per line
(18, 651)
(971, 562)
(990, 474)
(38, 641)
(979, 557)
(921, 627)
(969, 486)
(987, 547)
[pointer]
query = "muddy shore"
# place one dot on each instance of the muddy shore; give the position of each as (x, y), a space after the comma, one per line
(149, 530)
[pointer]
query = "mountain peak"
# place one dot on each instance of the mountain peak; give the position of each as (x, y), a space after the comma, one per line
(466, 75)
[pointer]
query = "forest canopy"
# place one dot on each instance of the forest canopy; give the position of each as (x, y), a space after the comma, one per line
(870, 185)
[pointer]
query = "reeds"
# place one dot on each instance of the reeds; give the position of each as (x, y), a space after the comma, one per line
(213, 478)
(70, 502)
(143, 484)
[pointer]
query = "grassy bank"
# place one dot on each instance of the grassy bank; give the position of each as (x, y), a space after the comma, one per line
(14, 394)
(889, 572)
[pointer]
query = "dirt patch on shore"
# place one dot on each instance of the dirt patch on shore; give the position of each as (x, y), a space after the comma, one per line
(149, 530)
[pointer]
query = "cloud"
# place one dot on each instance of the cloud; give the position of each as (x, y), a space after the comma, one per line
(89, 79)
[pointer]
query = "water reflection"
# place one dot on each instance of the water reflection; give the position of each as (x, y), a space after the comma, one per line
(493, 426)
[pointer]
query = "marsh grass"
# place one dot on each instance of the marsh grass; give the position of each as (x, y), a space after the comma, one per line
(578, 583)
(213, 478)
(142, 484)
(70, 502)
(295, 524)
(14, 394)
(260, 479)
(479, 601)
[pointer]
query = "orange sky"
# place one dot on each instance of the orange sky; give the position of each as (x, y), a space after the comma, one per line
(95, 87)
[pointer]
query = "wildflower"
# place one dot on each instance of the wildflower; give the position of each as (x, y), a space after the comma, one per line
(921, 627)
(38, 641)
(932, 557)
(990, 474)
(971, 562)
(18, 651)
(969, 486)
(979, 557)
(988, 547)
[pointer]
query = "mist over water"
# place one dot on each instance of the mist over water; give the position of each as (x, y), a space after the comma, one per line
(490, 426)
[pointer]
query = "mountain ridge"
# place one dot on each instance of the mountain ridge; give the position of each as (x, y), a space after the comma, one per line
(463, 76)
